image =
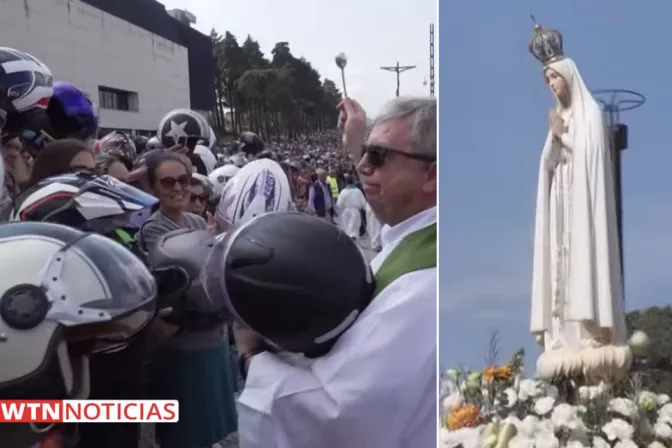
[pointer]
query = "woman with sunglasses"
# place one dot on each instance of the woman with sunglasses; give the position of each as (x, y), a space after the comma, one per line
(192, 367)
(200, 196)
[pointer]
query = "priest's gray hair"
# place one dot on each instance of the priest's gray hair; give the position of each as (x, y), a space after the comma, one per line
(421, 112)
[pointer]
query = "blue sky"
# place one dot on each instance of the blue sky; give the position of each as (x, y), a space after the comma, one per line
(493, 121)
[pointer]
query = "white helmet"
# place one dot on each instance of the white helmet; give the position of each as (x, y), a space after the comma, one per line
(26, 84)
(259, 187)
(153, 143)
(220, 176)
(208, 158)
(62, 288)
(238, 159)
(213, 138)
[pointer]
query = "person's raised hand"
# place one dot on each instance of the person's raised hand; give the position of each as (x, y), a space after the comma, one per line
(212, 223)
(352, 121)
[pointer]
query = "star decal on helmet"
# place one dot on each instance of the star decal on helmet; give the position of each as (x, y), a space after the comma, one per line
(177, 130)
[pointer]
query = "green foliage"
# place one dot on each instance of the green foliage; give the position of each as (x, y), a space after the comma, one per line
(655, 370)
(283, 96)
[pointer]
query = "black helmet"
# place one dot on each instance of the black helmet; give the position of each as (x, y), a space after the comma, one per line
(273, 276)
(250, 143)
(184, 127)
(140, 142)
(186, 250)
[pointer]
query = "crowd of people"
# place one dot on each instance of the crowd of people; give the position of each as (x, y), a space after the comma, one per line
(172, 268)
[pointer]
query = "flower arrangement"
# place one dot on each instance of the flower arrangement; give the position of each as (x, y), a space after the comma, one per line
(498, 408)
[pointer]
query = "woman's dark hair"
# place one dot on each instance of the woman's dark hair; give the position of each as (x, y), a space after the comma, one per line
(154, 163)
(313, 177)
(198, 164)
(55, 158)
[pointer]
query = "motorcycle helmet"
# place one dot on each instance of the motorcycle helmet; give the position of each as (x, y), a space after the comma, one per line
(142, 159)
(208, 158)
(183, 127)
(259, 187)
(64, 296)
(72, 113)
(268, 154)
(154, 143)
(3, 189)
(118, 144)
(26, 85)
(250, 144)
(238, 160)
(187, 249)
(63, 286)
(272, 275)
(220, 176)
(85, 201)
(140, 142)
(212, 140)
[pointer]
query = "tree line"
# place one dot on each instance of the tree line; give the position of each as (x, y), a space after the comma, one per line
(283, 96)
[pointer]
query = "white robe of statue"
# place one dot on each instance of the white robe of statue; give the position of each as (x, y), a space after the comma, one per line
(577, 310)
(350, 204)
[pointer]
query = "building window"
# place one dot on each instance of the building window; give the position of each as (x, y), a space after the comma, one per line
(118, 99)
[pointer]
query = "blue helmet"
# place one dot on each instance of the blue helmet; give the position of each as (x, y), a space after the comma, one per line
(72, 113)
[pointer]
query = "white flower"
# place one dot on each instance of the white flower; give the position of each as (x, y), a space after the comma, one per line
(639, 343)
(575, 444)
(662, 430)
(655, 445)
(618, 429)
(546, 439)
(520, 441)
(543, 405)
(599, 442)
(465, 437)
(584, 394)
(452, 401)
(529, 426)
(625, 444)
(511, 397)
(529, 389)
(663, 399)
(665, 413)
(590, 393)
(624, 407)
(551, 391)
(567, 416)
(515, 421)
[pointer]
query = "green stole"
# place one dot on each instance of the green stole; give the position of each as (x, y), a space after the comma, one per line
(415, 252)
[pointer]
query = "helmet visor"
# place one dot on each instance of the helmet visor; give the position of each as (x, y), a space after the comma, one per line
(93, 280)
(107, 203)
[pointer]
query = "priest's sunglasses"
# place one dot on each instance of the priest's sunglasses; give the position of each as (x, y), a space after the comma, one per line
(377, 155)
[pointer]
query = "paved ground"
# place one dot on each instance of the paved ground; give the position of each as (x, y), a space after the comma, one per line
(232, 440)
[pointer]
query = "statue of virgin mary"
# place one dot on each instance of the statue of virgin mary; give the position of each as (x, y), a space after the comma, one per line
(577, 312)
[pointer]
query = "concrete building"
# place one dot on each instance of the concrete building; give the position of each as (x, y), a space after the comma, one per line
(135, 60)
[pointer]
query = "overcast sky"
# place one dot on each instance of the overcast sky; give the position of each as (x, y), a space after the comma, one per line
(373, 33)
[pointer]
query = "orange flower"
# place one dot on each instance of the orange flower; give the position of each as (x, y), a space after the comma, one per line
(491, 374)
(465, 416)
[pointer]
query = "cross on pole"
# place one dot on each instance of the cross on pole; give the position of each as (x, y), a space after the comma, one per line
(398, 69)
